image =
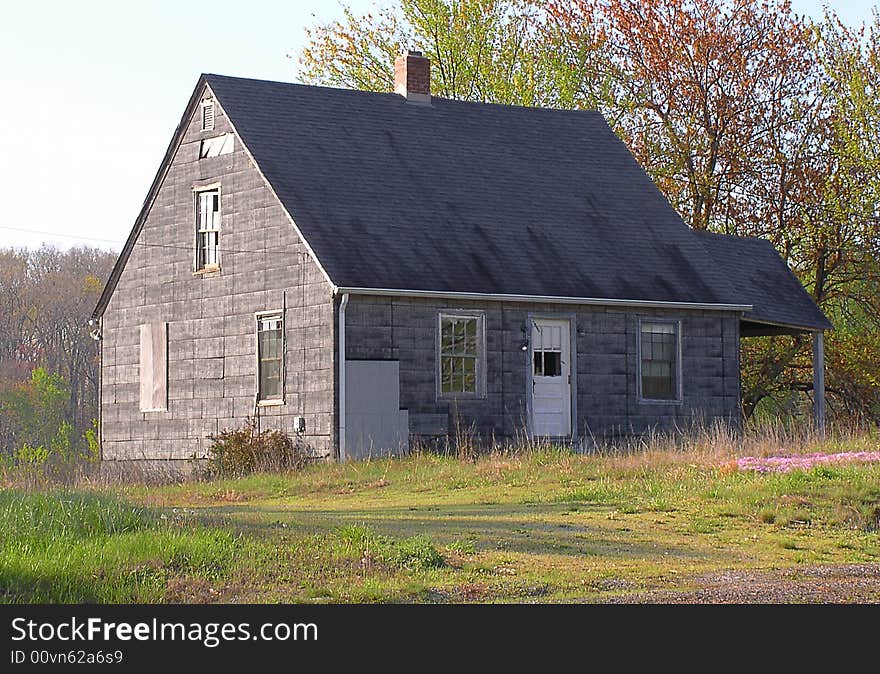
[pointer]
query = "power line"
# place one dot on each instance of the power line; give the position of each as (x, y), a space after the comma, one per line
(62, 236)
(151, 245)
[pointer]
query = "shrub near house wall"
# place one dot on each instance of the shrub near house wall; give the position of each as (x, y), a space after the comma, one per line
(241, 451)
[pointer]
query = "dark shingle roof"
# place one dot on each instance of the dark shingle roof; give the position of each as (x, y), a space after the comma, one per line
(761, 278)
(466, 197)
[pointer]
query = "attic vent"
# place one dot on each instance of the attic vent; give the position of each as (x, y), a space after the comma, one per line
(207, 115)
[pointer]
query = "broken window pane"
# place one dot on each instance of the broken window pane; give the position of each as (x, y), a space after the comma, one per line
(552, 364)
(217, 146)
(548, 364)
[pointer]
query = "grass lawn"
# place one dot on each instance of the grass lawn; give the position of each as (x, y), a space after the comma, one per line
(545, 526)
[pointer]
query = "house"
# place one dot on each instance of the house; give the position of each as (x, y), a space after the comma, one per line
(365, 269)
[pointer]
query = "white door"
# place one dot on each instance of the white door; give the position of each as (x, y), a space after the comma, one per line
(551, 377)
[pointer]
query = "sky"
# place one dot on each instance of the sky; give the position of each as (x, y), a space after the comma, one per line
(91, 92)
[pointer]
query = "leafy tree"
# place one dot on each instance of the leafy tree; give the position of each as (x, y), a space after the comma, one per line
(750, 119)
(46, 298)
(499, 51)
(33, 423)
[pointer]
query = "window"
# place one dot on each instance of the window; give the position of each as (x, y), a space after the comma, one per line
(546, 350)
(270, 356)
(154, 367)
(216, 146)
(548, 363)
(659, 364)
(208, 115)
(461, 348)
(208, 230)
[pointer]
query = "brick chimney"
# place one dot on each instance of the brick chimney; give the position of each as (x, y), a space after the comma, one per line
(412, 77)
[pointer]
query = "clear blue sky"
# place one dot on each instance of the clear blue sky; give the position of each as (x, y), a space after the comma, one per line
(93, 89)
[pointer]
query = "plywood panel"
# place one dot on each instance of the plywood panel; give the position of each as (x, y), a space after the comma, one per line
(154, 367)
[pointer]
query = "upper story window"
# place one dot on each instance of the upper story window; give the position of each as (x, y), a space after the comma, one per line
(461, 357)
(270, 357)
(216, 146)
(659, 363)
(208, 230)
(208, 115)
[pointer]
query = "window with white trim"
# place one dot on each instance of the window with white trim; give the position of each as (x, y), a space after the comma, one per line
(659, 360)
(460, 361)
(270, 357)
(208, 230)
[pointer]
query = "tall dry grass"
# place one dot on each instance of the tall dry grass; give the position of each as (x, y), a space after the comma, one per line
(51, 475)
(704, 445)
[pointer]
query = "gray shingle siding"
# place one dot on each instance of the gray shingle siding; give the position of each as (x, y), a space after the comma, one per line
(606, 360)
(211, 324)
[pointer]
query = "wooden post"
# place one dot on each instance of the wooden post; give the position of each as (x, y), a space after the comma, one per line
(819, 381)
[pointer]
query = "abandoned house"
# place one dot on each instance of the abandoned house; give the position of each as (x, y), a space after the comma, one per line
(366, 269)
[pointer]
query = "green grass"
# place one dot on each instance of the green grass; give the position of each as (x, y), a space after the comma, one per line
(546, 526)
(85, 547)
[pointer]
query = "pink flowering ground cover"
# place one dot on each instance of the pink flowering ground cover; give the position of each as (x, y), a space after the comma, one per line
(785, 464)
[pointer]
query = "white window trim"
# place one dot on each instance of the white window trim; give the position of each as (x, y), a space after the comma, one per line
(197, 191)
(269, 402)
(480, 316)
(679, 387)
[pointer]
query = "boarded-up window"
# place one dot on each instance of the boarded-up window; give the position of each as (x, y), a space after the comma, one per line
(659, 361)
(270, 355)
(154, 367)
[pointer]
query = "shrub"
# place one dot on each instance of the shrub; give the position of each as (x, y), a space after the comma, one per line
(241, 451)
(416, 552)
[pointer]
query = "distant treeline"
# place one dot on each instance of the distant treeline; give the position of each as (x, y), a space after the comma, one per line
(48, 360)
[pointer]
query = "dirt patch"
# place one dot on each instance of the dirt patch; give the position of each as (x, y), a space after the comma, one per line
(844, 584)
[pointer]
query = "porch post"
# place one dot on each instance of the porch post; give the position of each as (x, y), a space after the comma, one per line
(819, 381)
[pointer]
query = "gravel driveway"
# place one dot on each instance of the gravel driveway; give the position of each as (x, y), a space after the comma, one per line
(844, 584)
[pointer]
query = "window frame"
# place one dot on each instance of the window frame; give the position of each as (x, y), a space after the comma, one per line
(258, 316)
(198, 231)
(678, 386)
(480, 365)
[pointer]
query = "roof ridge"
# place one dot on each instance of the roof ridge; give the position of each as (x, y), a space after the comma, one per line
(732, 236)
(390, 94)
